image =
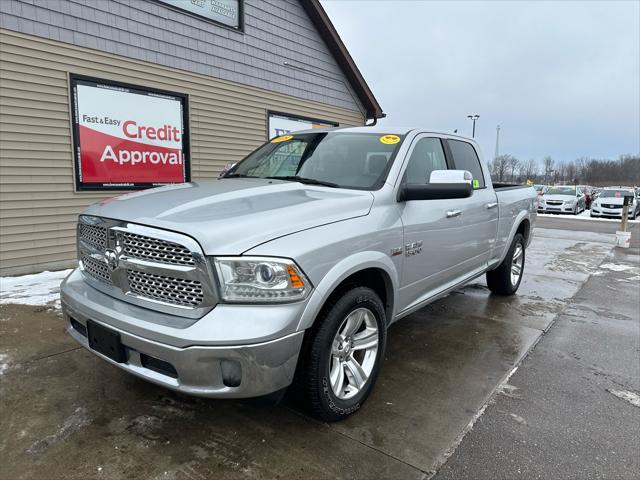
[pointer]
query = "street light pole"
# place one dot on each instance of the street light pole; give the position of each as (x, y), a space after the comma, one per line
(473, 118)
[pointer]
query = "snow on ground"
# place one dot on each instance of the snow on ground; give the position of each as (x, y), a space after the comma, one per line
(585, 216)
(38, 289)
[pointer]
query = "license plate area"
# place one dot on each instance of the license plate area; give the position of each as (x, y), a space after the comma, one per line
(105, 341)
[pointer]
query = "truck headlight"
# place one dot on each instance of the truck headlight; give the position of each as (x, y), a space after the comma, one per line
(260, 280)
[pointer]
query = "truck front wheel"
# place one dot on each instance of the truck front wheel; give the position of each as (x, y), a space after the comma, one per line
(506, 279)
(343, 354)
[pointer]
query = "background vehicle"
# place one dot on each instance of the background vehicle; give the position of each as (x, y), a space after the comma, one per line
(540, 191)
(297, 260)
(588, 195)
(610, 203)
(562, 199)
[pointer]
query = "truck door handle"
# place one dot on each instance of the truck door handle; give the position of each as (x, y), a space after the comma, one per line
(492, 205)
(453, 213)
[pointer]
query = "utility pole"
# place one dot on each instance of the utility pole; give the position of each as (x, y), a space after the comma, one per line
(473, 118)
(497, 141)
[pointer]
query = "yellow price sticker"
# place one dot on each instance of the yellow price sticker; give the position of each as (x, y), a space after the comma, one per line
(389, 139)
(282, 138)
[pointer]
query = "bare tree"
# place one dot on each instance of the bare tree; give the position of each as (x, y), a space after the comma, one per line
(529, 169)
(513, 164)
(498, 167)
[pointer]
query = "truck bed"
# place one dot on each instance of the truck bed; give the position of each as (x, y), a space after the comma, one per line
(508, 186)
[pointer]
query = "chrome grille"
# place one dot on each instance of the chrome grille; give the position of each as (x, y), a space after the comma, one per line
(93, 235)
(147, 248)
(97, 269)
(611, 206)
(145, 266)
(554, 202)
(177, 291)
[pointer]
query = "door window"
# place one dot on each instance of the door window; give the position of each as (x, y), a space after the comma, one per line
(426, 157)
(466, 158)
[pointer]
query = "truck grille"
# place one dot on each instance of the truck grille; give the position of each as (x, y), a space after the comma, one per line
(97, 269)
(94, 235)
(150, 267)
(177, 291)
(139, 246)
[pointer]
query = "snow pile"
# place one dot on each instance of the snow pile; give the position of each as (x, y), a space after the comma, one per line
(586, 215)
(39, 289)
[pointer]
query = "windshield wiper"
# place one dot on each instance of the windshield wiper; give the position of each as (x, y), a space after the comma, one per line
(305, 180)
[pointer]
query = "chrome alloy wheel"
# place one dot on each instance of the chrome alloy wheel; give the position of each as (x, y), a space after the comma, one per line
(516, 264)
(353, 353)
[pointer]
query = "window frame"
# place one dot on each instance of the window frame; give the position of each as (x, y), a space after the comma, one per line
(453, 161)
(412, 147)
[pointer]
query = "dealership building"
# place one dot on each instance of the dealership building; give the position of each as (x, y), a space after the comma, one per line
(100, 97)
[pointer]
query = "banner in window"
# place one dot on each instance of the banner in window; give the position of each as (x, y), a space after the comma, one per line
(128, 137)
(282, 124)
(227, 12)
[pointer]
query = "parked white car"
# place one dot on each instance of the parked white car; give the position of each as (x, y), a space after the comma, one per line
(562, 199)
(610, 203)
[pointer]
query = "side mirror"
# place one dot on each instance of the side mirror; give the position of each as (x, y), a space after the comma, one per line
(444, 184)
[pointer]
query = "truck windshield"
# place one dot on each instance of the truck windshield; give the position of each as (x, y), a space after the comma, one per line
(339, 159)
(561, 191)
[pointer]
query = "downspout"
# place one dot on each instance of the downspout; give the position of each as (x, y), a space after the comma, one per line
(375, 121)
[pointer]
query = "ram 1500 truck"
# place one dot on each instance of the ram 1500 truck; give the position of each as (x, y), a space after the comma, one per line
(292, 266)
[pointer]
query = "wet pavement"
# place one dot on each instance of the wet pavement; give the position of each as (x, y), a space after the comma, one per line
(65, 413)
(572, 409)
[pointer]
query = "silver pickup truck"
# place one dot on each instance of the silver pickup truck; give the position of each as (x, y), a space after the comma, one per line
(291, 267)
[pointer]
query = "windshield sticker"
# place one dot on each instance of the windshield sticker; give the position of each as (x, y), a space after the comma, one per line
(389, 139)
(282, 138)
(618, 194)
(476, 183)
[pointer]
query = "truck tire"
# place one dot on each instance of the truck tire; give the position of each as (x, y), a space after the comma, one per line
(342, 354)
(506, 279)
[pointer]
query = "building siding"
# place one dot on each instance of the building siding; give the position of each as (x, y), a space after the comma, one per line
(38, 205)
(280, 50)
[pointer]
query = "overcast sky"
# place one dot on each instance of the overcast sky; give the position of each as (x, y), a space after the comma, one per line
(561, 78)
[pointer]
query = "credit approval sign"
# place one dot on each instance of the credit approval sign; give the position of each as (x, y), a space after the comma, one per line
(127, 137)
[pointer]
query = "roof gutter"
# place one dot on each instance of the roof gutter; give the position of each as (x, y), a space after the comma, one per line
(329, 34)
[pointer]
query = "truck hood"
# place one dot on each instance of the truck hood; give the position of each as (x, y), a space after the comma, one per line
(564, 198)
(230, 216)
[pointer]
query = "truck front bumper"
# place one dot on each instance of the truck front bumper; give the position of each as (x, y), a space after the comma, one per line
(222, 371)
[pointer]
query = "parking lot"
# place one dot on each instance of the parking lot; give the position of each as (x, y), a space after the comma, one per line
(67, 414)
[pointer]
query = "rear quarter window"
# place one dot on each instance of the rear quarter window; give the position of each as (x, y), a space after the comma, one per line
(466, 158)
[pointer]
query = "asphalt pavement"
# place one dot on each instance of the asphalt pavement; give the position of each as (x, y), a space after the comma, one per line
(444, 402)
(572, 408)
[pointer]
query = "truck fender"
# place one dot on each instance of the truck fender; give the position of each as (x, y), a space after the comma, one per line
(524, 215)
(339, 272)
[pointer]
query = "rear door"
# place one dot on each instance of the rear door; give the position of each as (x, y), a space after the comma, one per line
(479, 212)
(433, 240)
